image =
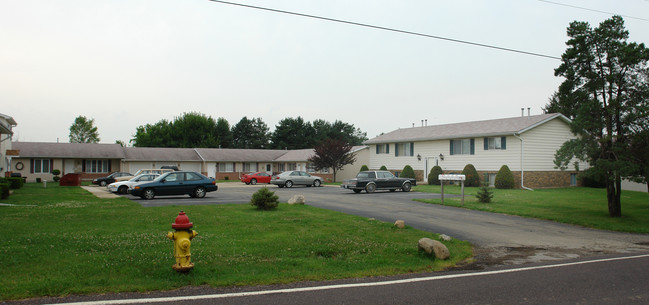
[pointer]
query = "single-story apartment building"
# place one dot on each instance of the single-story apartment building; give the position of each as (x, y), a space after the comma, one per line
(93, 160)
(525, 144)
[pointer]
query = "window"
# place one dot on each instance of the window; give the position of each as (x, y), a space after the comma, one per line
(225, 167)
(250, 167)
(404, 149)
(41, 166)
(310, 168)
(280, 167)
(385, 175)
(173, 177)
(495, 143)
(192, 177)
(463, 147)
(292, 166)
(97, 166)
(573, 179)
(382, 149)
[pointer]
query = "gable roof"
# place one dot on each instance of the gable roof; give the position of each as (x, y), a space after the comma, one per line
(498, 127)
(68, 150)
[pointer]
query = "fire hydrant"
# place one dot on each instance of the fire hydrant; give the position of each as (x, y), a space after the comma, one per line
(181, 238)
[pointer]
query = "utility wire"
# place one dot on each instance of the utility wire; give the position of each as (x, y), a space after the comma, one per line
(390, 29)
(593, 10)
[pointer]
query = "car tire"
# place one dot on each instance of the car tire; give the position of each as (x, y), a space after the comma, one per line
(199, 192)
(148, 194)
(370, 188)
(357, 191)
(317, 183)
(247, 183)
(102, 183)
(253, 181)
(406, 187)
(122, 189)
(288, 183)
(280, 185)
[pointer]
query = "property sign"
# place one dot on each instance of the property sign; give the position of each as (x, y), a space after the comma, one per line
(452, 177)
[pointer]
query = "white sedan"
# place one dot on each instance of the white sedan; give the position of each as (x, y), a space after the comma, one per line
(122, 187)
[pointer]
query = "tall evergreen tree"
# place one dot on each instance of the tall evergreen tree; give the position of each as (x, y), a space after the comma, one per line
(605, 92)
(293, 133)
(249, 134)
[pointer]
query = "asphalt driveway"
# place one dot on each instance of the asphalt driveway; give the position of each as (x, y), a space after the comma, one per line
(498, 238)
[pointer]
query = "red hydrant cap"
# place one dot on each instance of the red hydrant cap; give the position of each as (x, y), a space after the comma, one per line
(182, 222)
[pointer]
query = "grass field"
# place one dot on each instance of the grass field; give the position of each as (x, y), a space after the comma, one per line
(63, 240)
(580, 206)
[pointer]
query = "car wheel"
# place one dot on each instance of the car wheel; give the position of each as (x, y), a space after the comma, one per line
(122, 189)
(370, 188)
(102, 183)
(247, 183)
(317, 183)
(357, 191)
(199, 192)
(253, 181)
(288, 183)
(406, 187)
(280, 185)
(148, 194)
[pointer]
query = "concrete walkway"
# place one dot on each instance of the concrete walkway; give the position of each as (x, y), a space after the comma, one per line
(100, 192)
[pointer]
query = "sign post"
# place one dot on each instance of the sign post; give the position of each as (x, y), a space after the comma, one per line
(443, 178)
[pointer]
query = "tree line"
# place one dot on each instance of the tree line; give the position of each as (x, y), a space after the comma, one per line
(196, 130)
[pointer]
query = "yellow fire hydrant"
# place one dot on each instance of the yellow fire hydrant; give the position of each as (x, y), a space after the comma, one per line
(182, 243)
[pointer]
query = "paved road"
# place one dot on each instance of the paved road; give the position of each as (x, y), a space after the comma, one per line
(500, 238)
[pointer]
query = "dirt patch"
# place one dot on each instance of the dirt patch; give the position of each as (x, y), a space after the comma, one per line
(485, 257)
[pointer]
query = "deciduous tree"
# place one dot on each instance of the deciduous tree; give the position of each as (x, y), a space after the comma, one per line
(83, 131)
(334, 154)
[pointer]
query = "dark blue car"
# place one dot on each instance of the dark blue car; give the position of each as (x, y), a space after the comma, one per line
(176, 183)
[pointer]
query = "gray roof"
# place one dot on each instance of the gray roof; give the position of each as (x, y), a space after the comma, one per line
(296, 155)
(239, 155)
(160, 154)
(498, 127)
(68, 150)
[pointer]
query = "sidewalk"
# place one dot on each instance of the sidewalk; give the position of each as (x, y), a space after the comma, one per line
(100, 192)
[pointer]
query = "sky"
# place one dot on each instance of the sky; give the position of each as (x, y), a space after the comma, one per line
(127, 63)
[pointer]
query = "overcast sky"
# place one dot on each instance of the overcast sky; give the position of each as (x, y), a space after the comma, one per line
(127, 63)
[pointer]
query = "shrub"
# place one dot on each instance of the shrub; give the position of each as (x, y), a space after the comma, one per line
(4, 190)
(433, 176)
(504, 178)
(15, 182)
(264, 199)
(484, 194)
(408, 172)
(56, 172)
(472, 178)
(364, 168)
(383, 168)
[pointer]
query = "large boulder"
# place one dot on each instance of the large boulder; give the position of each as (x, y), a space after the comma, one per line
(297, 199)
(434, 247)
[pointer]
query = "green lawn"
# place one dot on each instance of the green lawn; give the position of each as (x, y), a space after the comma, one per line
(580, 206)
(71, 242)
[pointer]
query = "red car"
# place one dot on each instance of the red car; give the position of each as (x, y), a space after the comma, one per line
(254, 178)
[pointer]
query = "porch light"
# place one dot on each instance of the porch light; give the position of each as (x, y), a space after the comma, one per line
(441, 157)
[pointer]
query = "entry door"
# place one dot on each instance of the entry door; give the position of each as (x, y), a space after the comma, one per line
(269, 168)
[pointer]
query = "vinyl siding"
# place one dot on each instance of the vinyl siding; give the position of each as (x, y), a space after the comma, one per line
(542, 142)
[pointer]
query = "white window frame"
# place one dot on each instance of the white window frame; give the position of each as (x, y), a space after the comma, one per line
(96, 166)
(225, 167)
(42, 166)
(461, 147)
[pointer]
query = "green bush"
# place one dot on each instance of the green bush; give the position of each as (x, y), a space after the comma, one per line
(472, 178)
(484, 194)
(364, 168)
(408, 172)
(504, 178)
(264, 199)
(56, 172)
(4, 190)
(15, 182)
(433, 176)
(383, 168)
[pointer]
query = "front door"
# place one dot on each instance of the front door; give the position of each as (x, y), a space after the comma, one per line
(269, 168)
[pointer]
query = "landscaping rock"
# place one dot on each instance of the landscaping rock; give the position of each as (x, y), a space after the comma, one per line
(400, 224)
(445, 237)
(297, 199)
(434, 247)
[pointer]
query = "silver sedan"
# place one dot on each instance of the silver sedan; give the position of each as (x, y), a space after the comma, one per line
(290, 178)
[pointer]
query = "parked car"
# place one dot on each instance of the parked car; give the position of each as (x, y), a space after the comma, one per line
(122, 187)
(103, 181)
(158, 171)
(290, 178)
(378, 180)
(176, 183)
(254, 178)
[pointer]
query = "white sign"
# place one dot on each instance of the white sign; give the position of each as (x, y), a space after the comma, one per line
(452, 177)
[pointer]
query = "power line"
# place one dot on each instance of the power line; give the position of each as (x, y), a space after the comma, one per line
(390, 29)
(593, 10)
